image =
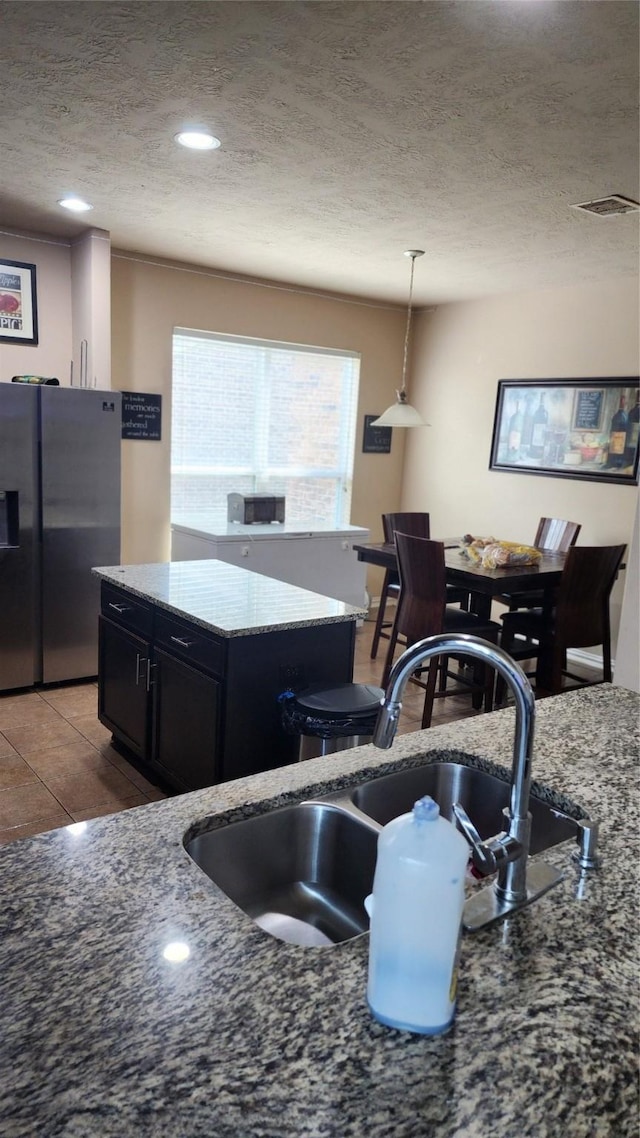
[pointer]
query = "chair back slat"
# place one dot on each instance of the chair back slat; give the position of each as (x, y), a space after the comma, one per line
(415, 524)
(556, 534)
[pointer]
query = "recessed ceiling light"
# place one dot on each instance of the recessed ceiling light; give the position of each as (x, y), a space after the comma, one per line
(198, 140)
(76, 205)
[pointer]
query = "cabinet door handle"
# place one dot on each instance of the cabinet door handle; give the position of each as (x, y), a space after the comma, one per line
(183, 643)
(119, 608)
(150, 668)
(139, 660)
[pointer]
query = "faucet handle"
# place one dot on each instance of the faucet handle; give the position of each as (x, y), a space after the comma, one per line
(482, 856)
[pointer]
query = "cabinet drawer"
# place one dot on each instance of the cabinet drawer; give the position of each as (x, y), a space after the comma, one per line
(190, 642)
(123, 608)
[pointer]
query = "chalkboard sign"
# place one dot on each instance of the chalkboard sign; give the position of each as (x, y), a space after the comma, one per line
(376, 440)
(588, 412)
(141, 416)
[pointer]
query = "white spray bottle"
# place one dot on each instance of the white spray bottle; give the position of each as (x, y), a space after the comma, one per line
(416, 913)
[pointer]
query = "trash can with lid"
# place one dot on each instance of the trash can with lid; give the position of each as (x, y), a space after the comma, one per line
(331, 718)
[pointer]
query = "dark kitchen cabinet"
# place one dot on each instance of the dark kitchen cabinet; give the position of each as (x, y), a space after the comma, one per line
(184, 723)
(124, 671)
(155, 691)
(198, 708)
(124, 668)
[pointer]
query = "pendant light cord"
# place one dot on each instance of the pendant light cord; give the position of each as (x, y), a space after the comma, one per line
(406, 335)
(413, 253)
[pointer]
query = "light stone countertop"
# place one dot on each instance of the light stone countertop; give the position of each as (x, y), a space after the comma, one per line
(225, 599)
(252, 1037)
(214, 523)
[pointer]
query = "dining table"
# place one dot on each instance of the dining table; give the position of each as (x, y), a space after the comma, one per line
(483, 584)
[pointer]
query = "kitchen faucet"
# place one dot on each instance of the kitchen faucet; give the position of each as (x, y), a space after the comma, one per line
(517, 883)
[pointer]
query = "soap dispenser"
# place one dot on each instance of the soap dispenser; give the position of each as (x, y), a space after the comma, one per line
(416, 914)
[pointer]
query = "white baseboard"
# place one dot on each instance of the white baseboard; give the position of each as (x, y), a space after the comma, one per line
(587, 659)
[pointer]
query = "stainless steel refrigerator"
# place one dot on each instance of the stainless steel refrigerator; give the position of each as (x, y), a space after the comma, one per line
(59, 516)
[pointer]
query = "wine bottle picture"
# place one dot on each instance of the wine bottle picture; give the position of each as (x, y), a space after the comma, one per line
(577, 428)
(516, 423)
(527, 424)
(633, 432)
(539, 429)
(618, 436)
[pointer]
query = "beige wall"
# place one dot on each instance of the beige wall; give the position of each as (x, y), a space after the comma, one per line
(460, 353)
(150, 299)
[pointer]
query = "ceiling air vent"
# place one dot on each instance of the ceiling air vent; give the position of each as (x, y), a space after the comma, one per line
(612, 206)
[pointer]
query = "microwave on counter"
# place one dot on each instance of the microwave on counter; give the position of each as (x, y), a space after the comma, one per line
(250, 509)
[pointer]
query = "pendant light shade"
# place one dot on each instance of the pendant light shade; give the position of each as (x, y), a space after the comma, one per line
(401, 413)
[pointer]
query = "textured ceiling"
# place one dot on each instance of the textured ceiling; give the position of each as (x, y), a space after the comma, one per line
(350, 132)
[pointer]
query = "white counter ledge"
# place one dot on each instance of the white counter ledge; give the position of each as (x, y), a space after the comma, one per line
(253, 1038)
(214, 523)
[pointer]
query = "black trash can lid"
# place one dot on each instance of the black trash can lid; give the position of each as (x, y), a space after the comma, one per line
(340, 700)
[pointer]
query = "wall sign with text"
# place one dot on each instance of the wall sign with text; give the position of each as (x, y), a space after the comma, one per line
(141, 416)
(375, 440)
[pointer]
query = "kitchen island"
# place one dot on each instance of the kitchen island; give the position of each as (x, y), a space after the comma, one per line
(249, 1036)
(193, 657)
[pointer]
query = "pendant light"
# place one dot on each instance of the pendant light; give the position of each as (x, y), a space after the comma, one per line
(401, 413)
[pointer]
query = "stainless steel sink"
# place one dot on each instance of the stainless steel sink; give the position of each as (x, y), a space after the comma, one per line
(302, 873)
(482, 795)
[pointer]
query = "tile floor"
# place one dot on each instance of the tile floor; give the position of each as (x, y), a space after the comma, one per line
(57, 764)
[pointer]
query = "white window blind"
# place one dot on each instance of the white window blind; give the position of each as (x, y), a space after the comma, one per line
(254, 416)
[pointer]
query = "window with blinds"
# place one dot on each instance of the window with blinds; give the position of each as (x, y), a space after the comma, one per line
(254, 416)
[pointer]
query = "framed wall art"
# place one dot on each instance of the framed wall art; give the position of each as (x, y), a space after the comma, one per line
(18, 303)
(568, 428)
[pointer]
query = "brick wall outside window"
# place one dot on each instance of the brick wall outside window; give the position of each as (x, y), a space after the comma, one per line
(252, 416)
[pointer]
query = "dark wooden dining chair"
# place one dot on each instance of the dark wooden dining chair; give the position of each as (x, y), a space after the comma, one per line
(422, 611)
(555, 535)
(580, 618)
(416, 525)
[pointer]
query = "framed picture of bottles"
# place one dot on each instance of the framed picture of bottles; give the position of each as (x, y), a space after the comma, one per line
(568, 428)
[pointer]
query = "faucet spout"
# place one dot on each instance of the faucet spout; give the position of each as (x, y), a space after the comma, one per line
(508, 851)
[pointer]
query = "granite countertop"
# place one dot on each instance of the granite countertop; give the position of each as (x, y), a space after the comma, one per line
(214, 523)
(249, 1036)
(225, 599)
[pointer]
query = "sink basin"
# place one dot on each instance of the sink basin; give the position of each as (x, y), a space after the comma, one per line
(302, 873)
(482, 795)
